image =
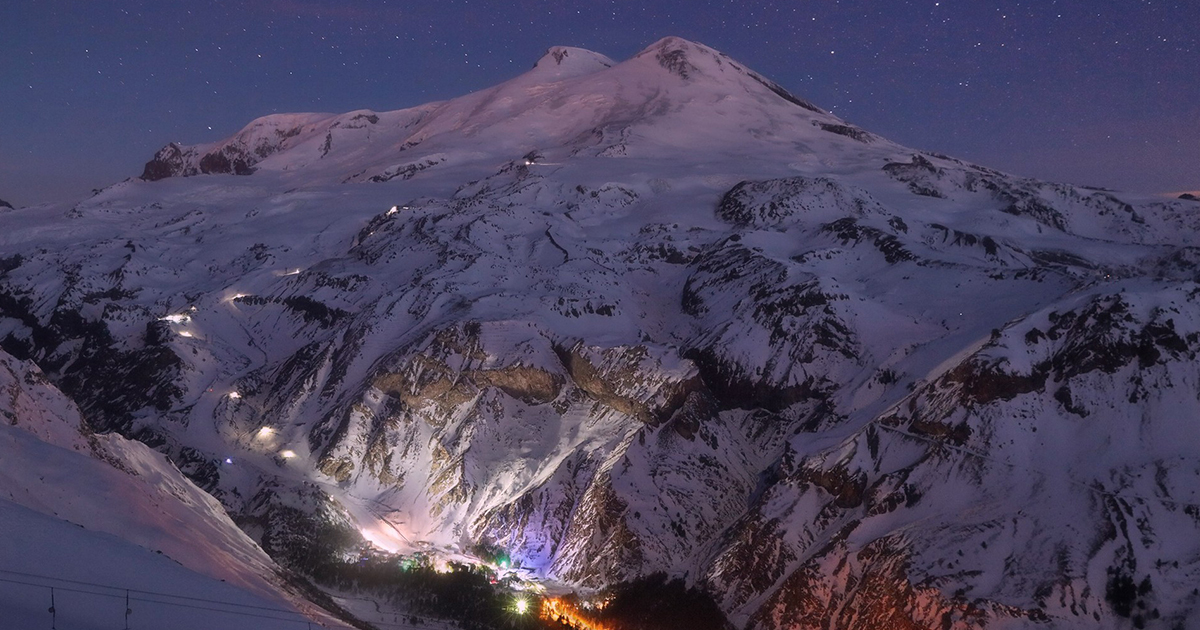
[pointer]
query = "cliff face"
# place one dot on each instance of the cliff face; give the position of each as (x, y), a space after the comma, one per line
(829, 377)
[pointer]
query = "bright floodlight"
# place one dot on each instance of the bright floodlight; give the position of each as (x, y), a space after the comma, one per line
(265, 432)
(184, 333)
(234, 395)
(522, 605)
(288, 454)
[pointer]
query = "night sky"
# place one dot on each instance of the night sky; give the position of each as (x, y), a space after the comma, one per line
(1095, 92)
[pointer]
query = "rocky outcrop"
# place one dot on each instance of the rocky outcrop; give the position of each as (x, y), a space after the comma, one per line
(771, 203)
(240, 154)
(170, 161)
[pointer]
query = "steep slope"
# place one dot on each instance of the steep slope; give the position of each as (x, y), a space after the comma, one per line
(619, 318)
(1029, 453)
(57, 477)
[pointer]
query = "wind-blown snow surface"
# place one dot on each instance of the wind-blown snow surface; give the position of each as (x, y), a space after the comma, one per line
(652, 315)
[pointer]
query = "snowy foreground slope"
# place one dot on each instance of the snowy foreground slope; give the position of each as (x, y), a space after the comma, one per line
(98, 517)
(659, 314)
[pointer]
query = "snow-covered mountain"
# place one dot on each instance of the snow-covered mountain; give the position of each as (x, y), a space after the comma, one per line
(659, 314)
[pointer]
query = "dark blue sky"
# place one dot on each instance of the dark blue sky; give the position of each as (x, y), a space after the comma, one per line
(1097, 92)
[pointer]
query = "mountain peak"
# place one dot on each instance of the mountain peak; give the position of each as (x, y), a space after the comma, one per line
(672, 43)
(677, 55)
(571, 97)
(688, 60)
(563, 62)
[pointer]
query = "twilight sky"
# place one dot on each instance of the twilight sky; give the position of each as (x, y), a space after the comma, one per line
(1096, 92)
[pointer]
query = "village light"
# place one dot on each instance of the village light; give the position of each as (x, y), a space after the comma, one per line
(521, 605)
(265, 433)
(288, 454)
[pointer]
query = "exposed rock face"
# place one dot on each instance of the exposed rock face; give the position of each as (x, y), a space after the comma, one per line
(771, 203)
(240, 154)
(842, 383)
(983, 426)
(168, 162)
(850, 131)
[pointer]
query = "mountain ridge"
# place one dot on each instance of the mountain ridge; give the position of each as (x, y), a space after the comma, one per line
(623, 96)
